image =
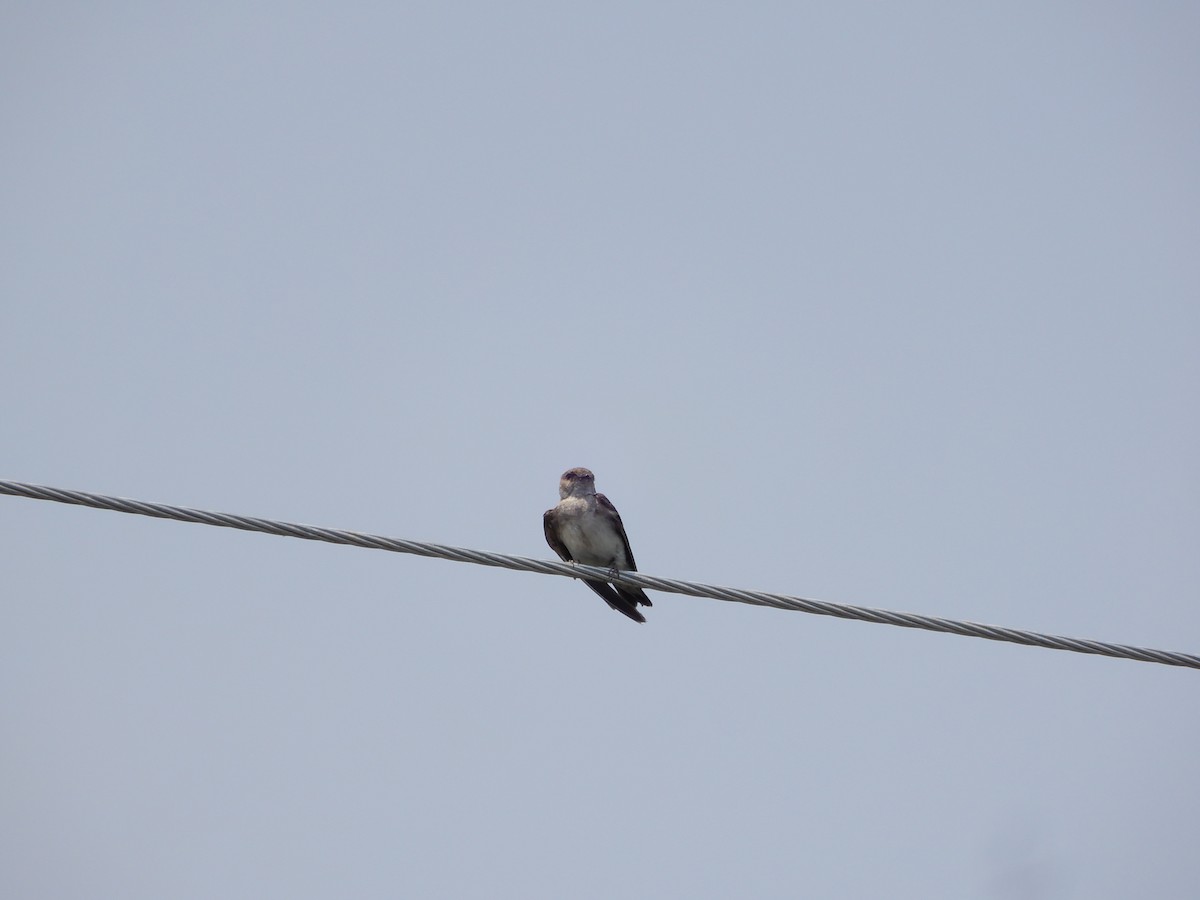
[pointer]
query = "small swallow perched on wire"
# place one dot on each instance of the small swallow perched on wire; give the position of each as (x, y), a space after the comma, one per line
(586, 528)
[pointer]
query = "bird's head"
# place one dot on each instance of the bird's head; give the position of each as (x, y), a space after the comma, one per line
(576, 482)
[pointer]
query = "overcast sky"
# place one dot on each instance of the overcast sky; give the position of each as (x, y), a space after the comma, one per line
(885, 305)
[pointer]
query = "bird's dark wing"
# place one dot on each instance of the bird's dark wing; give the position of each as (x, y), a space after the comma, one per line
(632, 594)
(549, 520)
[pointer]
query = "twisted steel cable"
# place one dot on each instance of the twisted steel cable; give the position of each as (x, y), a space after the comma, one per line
(573, 570)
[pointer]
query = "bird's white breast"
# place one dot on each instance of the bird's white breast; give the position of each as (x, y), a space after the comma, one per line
(591, 539)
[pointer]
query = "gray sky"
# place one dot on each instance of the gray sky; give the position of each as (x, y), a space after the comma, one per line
(894, 306)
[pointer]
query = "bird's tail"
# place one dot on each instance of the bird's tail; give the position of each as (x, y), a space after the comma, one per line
(619, 599)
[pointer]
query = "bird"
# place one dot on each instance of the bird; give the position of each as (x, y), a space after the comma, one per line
(586, 528)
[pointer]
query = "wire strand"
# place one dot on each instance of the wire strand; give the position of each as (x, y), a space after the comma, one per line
(573, 570)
